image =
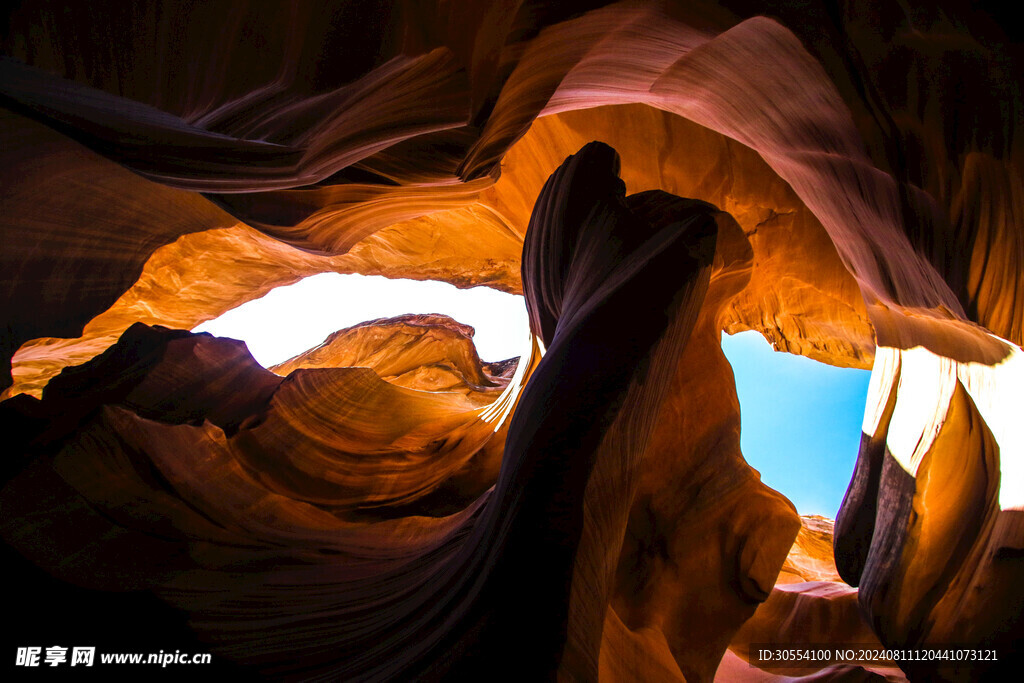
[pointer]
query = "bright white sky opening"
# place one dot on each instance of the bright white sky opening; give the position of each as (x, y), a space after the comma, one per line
(294, 318)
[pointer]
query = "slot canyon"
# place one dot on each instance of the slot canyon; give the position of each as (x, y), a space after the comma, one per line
(844, 178)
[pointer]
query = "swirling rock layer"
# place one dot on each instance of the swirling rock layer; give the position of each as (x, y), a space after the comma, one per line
(870, 162)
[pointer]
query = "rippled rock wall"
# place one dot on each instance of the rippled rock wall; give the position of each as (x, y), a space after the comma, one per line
(855, 175)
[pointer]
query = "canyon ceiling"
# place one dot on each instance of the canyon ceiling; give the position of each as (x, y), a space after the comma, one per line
(843, 177)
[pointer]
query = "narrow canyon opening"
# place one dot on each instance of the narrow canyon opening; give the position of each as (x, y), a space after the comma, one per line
(292, 319)
(800, 420)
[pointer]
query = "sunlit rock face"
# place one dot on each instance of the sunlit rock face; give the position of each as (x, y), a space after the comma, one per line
(857, 193)
(428, 352)
(808, 604)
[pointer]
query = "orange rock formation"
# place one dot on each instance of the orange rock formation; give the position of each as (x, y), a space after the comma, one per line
(809, 605)
(857, 188)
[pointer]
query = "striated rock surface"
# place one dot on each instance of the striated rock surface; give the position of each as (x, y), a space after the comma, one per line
(869, 156)
(810, 558)
(809, 607)
(78, 229)
(428, 352)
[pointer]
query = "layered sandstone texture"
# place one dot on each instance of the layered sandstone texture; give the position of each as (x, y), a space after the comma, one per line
(810, 606)
(845, 178)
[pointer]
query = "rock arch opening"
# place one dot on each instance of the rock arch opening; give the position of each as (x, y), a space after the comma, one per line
(297, 318)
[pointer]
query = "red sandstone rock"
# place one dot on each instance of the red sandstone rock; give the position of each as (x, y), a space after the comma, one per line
(870, 156)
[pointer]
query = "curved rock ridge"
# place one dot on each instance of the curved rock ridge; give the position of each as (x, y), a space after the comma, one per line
(871, 156)
(282, 144)
(429, 352)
